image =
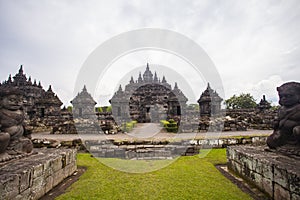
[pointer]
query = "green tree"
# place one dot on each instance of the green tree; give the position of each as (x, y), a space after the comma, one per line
(243, 101)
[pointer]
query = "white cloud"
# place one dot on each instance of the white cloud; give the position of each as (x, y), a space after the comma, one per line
(266, 87)
(249, 41)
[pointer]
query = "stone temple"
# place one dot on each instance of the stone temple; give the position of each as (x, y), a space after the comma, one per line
(84, 105)
(38, 103)
(209, 102)
(148, 99)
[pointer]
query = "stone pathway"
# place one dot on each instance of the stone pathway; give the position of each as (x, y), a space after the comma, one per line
(149, 131)
(145, 130)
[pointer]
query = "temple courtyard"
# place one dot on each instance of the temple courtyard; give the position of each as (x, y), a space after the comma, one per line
(151, 131)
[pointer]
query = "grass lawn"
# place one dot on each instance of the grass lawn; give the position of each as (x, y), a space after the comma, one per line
(189, 177)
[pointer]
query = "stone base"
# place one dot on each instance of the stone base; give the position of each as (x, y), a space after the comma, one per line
(139, 150)
(33, 176)
(275, 174)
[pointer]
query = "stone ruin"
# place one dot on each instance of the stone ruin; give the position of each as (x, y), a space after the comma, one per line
(260, 118)
(209, 102)
(84, 105)
(274, 168)
(148, 99)
(42, 108)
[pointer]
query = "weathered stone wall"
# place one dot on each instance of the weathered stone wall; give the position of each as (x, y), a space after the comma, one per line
(275, 174)
(253, 118)
(203, 143)
(140, 149)
(104, 123)
(148, 149)
(232, 120)
(33, 176)
(229, 120)
(107, 123)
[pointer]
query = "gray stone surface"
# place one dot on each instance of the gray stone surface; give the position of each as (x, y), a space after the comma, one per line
(276, 174)
(140, 149)
(33, 176)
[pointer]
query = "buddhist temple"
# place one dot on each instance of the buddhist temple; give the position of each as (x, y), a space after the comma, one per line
(84, 105)
(38, 103)
(148, 99)
(209, 102)
(264, 104)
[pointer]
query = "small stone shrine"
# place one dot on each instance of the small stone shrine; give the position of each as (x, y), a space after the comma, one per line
(84, 105)
(263, 104)
(275, 169)
(209, 102)
(148, 99)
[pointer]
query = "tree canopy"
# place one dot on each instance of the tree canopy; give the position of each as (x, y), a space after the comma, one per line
(243, 101)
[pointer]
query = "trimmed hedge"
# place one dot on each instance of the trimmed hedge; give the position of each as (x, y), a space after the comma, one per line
(170, 126)
(164, 123)
(128, 126)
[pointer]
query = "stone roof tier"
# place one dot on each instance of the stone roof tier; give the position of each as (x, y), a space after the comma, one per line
(84, 98)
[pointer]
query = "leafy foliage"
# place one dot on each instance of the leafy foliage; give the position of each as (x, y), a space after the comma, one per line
(128, 126)
(170, 125)
(243, 101)
(109, 109)
(70, 108)
(99, 109)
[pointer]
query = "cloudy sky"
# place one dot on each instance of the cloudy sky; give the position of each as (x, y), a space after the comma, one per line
(254, 45)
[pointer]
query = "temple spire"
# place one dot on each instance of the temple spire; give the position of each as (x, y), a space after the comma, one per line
(208, 86)
(155, 77)
(21, 69)
(50, 88)
(176, 86)
(148, 76)
(164, 80)
(140, 80)
(29, 80)
(131, 80)
(9, 78)
(120, 89)
(84, 88)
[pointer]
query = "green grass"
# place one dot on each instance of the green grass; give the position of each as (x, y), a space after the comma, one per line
(190, 177)
(135, 166)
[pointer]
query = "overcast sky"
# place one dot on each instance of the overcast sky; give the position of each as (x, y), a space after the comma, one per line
(253, 44)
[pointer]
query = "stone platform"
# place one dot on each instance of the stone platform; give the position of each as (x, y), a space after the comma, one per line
(139, 150)
(33, 176)
(275, 174)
